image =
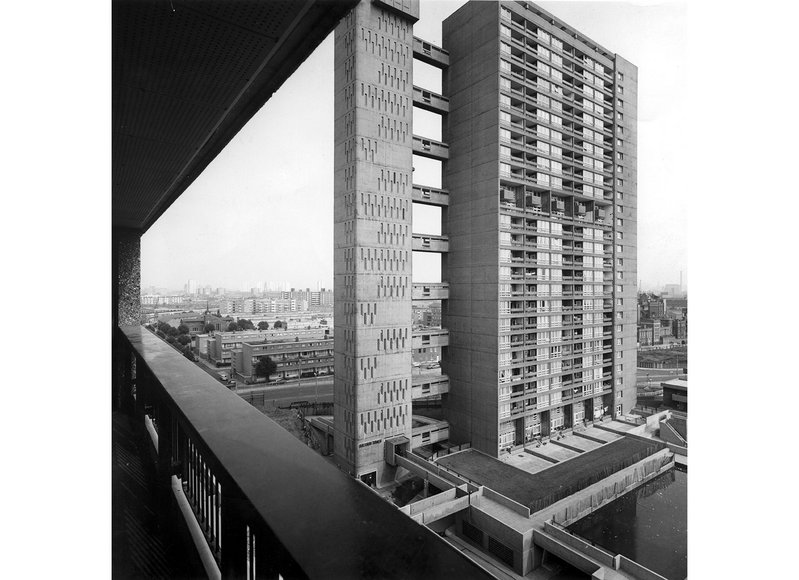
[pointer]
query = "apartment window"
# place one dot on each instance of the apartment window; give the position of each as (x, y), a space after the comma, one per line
(619, 182)
(619, 221)
(619, 249)
(619, 301)
(505, 30)
(619, 368)
(619, 341)
(619, 130)
(619, 116)
(504, 65)
(619, 154)
(619, 208)
(619, 235)
(504, 83)
(620, 275)
(619, 354)
(504, 134)
(621, 90)
(619, 382)
(504, 100)
(504, 151)
(504, 116)
(619, 328)
(620, 142)
(619, 169)
(504, 47)
(619, 103)
(619, 195)
(620, 77)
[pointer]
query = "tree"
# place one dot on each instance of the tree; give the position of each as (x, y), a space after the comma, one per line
(171, 339)
(232, 327)
(245, 324)
(263, 325)
(209, 328)
(184, 339)
(183, 329)
(265, 367)
(279, 324)
(160, 334)
(172, 331)
(150, 327)
(187, 352)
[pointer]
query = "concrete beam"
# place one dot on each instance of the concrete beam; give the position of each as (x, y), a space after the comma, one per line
(430, 148)
(430, 101)
(430, 243)
(430, 53)
(431, 291)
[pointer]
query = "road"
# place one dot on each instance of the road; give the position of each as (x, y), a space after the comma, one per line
(653, 377)
(307, 391)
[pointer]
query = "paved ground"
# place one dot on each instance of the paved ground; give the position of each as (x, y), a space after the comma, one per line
(556, 452)
(595, 433)
(580, 443)
(527, 462)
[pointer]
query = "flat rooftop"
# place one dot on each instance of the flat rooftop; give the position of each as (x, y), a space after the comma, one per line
(675, 384)
(535, 490)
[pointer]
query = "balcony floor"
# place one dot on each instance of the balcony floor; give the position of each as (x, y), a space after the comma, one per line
(140, 547)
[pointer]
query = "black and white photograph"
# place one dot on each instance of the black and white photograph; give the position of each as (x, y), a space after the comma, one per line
(398, 289)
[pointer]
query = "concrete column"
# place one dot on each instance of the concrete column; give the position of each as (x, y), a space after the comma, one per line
(373, 234)
(126, 272)
(126, 309)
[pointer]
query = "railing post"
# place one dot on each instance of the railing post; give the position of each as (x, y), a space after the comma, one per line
(163, 418)
(122, 373)
(143, 390)
(233, 532)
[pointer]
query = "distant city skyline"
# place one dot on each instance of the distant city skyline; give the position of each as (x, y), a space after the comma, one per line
(263, 209)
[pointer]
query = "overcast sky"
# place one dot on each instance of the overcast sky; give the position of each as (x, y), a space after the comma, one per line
(263, 209)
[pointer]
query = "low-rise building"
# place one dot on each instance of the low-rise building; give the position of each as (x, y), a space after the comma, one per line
(679, 329)
(293, 357)
(675, 395)
(197, 324)
(645, 335)
(222, 343)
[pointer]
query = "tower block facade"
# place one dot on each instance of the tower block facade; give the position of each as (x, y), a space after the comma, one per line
(373, 235)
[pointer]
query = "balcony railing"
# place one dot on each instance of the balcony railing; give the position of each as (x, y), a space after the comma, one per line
(267, 504)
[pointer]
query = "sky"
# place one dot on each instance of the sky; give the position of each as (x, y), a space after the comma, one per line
(263, 209)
